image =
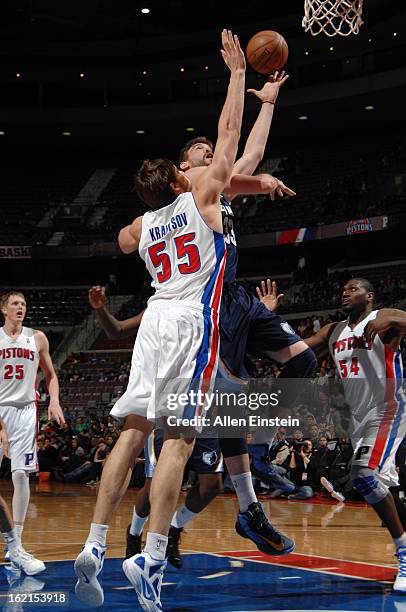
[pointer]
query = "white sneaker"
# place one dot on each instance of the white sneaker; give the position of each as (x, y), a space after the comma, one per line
(23, 560)
(400, 582)
(328, 485)
(88, 566)
(145, 574)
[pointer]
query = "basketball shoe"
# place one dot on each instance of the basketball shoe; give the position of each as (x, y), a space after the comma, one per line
(254, 525)
(400, 582)
(172, 549)
(145, 574)
(329, 486)
(21, 560)
(88, 566)
(39, 563)
(133, 544)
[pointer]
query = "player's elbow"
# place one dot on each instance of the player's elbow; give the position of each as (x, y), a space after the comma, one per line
(126, 243)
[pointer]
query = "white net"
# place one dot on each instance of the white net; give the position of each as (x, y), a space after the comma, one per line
(332, 17)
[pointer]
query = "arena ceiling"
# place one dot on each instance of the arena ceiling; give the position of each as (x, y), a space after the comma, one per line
(108, 20)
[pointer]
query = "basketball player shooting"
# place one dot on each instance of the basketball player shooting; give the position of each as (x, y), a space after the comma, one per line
(178, 337)
(365, 348)
(21, 351)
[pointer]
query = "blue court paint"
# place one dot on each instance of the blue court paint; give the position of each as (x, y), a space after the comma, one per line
(207, 581)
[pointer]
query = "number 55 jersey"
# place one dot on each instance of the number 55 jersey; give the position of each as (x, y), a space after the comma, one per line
(178, 339)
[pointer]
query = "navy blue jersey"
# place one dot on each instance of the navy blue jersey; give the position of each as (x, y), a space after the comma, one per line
(247, 326)
(230, 272)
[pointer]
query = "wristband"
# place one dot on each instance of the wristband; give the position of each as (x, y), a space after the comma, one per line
(268, 102)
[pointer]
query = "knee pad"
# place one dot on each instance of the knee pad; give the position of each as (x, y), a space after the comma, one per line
(300, 366)
(366, 483)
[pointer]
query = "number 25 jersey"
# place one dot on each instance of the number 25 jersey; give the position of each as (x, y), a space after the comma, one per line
(19, 360)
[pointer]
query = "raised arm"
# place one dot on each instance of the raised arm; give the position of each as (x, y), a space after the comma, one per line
(114, 328)
(256, 142)
(210, 184)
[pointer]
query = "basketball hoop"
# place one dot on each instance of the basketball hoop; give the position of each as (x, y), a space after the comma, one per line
(332, 17)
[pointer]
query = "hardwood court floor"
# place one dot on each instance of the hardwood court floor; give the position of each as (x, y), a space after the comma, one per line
(59, 517)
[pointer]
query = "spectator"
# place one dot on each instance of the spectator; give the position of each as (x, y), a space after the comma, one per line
(279, 450)
(298, 471)
(48, 456)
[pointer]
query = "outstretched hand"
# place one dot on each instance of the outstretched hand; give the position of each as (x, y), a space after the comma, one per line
(275, 187)
(268, 295)
(270, 90)
(231, 52)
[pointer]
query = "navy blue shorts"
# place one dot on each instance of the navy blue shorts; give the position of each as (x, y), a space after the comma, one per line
(247, 326)
(206, 456)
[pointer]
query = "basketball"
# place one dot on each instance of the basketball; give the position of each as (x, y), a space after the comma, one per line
(267, 51)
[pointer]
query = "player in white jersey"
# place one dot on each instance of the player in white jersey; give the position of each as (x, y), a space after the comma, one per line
(182, 243)
(22, 350)
(365, 348)
(20, 559)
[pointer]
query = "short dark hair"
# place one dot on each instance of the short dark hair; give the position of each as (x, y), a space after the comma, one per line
(190, 143)
(365, 283)
(152, 182)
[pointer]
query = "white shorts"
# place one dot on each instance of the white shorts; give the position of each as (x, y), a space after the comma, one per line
(377, 438)
(177, 346)
(21, 427)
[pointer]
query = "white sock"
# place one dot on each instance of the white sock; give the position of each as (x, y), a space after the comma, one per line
(18, 530)
(244, 489)
(156, 546)
(400, 542)
(137, 523)
(182, 516)
(97, 533)
(11, 539)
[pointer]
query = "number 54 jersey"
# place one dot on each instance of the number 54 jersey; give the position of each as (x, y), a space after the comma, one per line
(184, 256)
(372, 376)
(372, 373)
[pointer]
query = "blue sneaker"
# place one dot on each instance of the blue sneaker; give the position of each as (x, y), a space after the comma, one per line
(145, 574)
(400, 582)
(88, 566)
(254, 525)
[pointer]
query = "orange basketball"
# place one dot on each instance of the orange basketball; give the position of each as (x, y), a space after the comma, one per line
(267, 51)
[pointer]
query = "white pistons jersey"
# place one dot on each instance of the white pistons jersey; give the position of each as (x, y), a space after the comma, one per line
(185, 258)
(376, 366)
(19, 359)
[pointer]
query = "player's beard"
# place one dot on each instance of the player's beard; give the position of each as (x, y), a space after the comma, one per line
(202, 163)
